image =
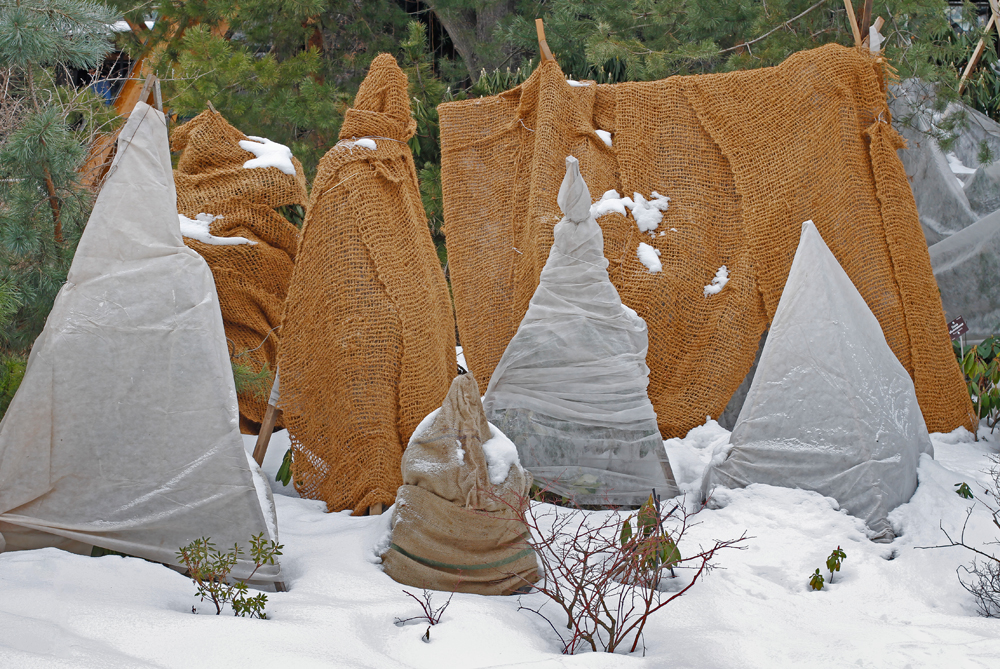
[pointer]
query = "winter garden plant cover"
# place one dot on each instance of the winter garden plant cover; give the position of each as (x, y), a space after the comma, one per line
(830, 409)
(570, 390)
(368, 336)
(124, 433)
(456, 525)
(213, 182)
(744, 157)
(967, 269)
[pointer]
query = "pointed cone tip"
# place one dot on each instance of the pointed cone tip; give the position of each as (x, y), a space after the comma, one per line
(574, 196)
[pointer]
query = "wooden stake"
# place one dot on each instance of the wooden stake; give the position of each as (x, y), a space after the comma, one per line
(157, 97)
(866, 19)
(376, 509)
(854, 22)
(978, 52)
(879, 22)
(147, 88)
(264, 436)
(543, 46)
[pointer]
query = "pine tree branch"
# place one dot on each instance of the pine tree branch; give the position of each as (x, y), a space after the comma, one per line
(774, 29)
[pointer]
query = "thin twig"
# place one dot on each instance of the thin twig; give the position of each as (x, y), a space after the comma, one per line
(774, 29)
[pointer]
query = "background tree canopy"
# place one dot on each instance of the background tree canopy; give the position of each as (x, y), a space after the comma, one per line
(288, 69)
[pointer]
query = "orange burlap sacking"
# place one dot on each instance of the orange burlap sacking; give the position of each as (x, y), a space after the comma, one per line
(368, 337)
(745, 158)
(251, 279)
(453, 528)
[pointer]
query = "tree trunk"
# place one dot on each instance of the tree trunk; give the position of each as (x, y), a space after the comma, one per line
(471, 31)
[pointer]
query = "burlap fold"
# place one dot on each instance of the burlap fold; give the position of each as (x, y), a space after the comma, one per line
(251, 279)
(453, 528)
(368, 343)
(745, 157)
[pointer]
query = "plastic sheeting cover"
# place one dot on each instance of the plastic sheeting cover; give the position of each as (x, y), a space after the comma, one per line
(124, 432)
(830, 409)
(967, 268)
(570, 389)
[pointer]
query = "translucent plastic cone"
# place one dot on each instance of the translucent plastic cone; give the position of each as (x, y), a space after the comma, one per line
(570, 390)
(124, 431)
(831, 409)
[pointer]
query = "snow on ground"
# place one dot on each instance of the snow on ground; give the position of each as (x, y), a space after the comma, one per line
(891, 605)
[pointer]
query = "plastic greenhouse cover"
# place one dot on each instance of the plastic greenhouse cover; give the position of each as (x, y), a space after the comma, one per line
(967, 268)
(124, 431)
(830, 409)
(570, 389)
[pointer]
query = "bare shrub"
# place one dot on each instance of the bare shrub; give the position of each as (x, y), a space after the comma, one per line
(605, 579)
(981, 578)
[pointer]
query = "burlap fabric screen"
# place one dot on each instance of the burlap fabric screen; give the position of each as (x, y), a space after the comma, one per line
(368, 338)
(745, 158)
(251, 280)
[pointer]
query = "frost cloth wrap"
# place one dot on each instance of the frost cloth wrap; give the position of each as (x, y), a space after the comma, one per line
(570, 390)
(453, 529)
(967, 268)
(745, 157)
(830, 409)
(251, 279)
(368, 337)
(124, 433)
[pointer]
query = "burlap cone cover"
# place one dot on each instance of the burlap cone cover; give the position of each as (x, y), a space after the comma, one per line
(368, 337)
(453, 528)
(252, 279)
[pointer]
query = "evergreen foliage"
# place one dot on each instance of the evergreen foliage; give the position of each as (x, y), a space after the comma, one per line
(286, 70)
(44, 131)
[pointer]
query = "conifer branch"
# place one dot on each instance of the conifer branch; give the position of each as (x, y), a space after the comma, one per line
(774, 29)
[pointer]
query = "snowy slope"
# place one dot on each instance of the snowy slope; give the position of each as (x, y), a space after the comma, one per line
(64, 610)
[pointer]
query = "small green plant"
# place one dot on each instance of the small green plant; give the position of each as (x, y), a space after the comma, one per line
(12, 368)
(210, 568)
(650, 543)
(816, 582)
(284, 473)
(981, 367)
(247, 380)
(963, 490)
(833, 562)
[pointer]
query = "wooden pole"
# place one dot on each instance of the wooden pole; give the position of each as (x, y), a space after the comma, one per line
(866, 19)
(543, 46)
(879, 22)
(264, 436)
(978, 52)
(267, 425)
(854, 22)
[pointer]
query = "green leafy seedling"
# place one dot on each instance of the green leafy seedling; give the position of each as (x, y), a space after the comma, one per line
(284, 473)
(833, 562)
(816, 582)
(964, 491)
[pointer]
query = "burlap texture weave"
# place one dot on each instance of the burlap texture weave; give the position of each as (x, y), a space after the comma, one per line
(368, 343)
(745, 158)
(251, 279)
(453, 528)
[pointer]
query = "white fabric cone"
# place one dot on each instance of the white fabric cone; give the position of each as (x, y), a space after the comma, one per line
(124, 432)
(570, 389)
(831, 409)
